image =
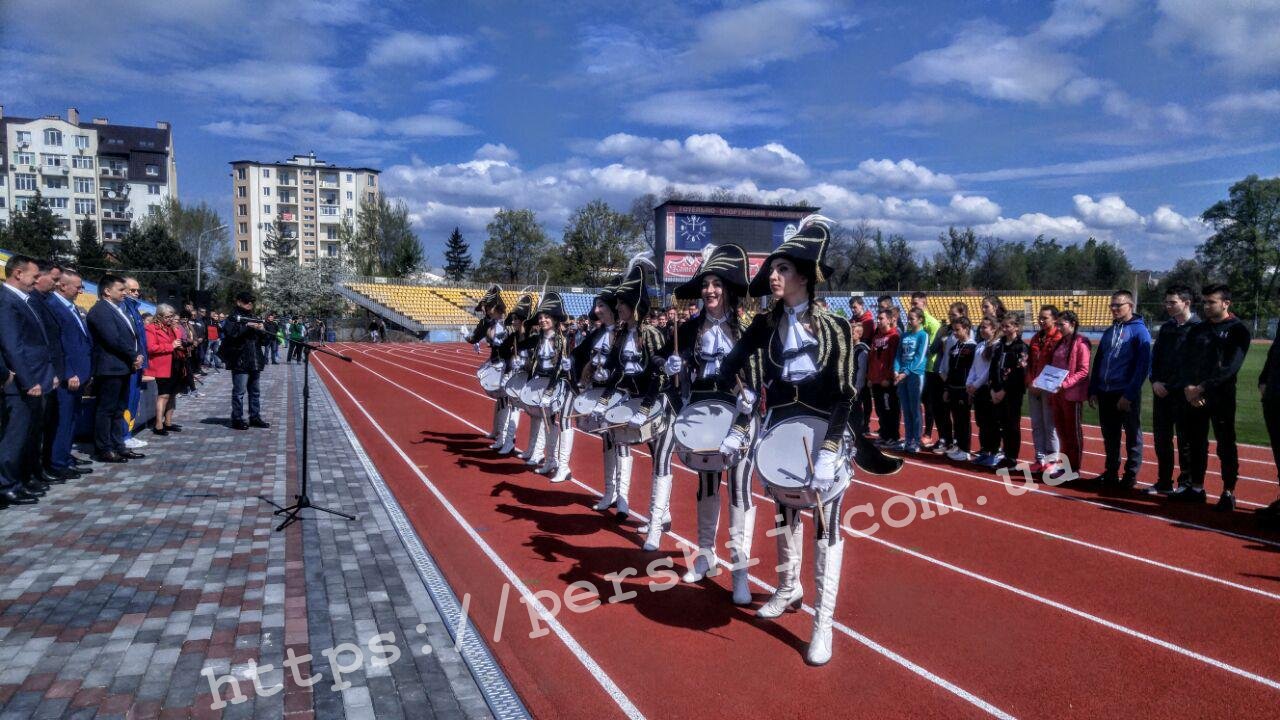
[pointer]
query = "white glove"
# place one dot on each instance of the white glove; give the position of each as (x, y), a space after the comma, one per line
(673, 365)
(732, 444)
(477, 348)
(824, 471)
(517, 364)
(746, 401)
(600, 375)
(637, 419)
(566, 364)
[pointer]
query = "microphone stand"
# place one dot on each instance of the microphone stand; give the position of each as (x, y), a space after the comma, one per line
(302, 500)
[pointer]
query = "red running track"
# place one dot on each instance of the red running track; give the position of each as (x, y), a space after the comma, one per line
(1046, 603)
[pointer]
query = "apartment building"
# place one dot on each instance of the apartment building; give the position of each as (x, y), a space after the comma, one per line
(111, 175)
(308, 197)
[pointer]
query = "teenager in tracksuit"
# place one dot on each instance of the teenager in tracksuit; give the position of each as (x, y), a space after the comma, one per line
(978, 386)
(1008, 386)
(884, 349)
(1168, 403)
(908, 373)
(1115, 387)
(1215, 352)
(1039, 403)
(959, 360)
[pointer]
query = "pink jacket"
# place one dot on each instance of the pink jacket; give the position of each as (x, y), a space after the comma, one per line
(1073, 356)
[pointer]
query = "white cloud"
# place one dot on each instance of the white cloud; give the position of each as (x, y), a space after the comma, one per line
(410, 48)
(1076, 19)
(974, 208)
(1240, 34)
(1139, 161)
(430, 126)
(703, 158)
(712, 109)
(1028, 226)
(901, 175)
(264, 132)
(1108, 212)
(1265, 101)
(751, 36)
(1166, 221)
(261, 81)
(918, 111)
(498, 151)
(463, 76)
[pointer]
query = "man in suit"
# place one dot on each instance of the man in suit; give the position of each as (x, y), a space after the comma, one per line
(132, 308)
(25, 347)
(117, 356)
(77, 349)
(50, 275)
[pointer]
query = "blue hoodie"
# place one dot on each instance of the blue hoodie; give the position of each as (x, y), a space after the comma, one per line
(1123, 359)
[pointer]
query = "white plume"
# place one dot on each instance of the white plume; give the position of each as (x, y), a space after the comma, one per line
(706, 252)
(643, 258)
(815, 219)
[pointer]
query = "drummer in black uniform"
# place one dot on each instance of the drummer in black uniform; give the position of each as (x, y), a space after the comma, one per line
(491, 330)
(808, 370)
(548, 353)
(590, 369)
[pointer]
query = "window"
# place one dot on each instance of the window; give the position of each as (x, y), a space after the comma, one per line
(243, 210)
(24, 136)
(2, 201)
(1, 179)
(348, 212)
(328, 210)
(54, 182)
(84, 185)
(56, 203)
(349, 177)
(244, 246)
(82, 142)
(266, 191)
(349, 195)
(21, 203)
(244, 263)
(243, 228)
(24, 181)
(239, 173)
(24, 158)
(53, 137)
(331, 232)
(266, 172)
(52, 160)
(308, 181)
(242, 191)
(153, 189)
(153, 170)
(153, 209)
(373, 179)
(84, 206)
(83, 162)
(266, 209)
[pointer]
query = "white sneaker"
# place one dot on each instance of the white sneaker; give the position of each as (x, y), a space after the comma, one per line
(134, 442)
(958, 455)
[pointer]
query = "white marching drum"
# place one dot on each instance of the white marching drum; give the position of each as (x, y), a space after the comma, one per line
(585, 404)
(516, 380)
(782, 465)
(619, 417)
(490, 375)
(699, 429)
(533, 396)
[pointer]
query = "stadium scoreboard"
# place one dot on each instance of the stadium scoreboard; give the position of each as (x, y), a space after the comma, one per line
(683, 228)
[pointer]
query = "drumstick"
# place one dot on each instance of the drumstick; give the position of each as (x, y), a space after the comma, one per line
(819, 516)
(675, 338)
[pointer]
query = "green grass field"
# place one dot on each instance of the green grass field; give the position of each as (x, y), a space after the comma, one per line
(1249, 425)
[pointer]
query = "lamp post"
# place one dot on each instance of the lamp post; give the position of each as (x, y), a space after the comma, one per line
(200, 253)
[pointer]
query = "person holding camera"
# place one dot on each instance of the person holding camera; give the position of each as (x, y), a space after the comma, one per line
(240, 352)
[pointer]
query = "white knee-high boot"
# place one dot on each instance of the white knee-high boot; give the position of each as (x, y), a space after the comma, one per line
(548, 467)
(659, 513)
(742, 526)
(624, 487)
(704, 563)
(563, 452)
(827, 575)
(789, 595)
(610, 495)
(499, 424)
(532, 455)
(513, 425)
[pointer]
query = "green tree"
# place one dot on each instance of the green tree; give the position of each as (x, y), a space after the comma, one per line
(362, 243)
(199, 230)
(226, 279)
(597, 243)
(1001, 265)
(292, 289)
(457, 257)
(852, 254)
(953, 264)
(1244, 249)
(159, 262)
(279, 246)
(91, 258)
(516, 241)
(35, 231)
(398, 252)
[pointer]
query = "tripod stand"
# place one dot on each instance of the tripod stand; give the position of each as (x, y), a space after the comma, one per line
(302, 500)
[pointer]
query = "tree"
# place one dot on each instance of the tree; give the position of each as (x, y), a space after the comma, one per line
(851, 254)
(362, 243)
(35, 231)
(516, 241)
(292, 289)
(227, 279)
(1001, 265)
(953, 264)
(198, 229)
(279, 246)
(162, 266)
(597, 243)
(398, 252)
(91, 258)
(1245, 247)
(457, 257)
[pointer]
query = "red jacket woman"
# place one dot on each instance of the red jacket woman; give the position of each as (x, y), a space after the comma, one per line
(162, 340)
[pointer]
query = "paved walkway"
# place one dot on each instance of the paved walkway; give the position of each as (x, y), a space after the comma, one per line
(127, 593)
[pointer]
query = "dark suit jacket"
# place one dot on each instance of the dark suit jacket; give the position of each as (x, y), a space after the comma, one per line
(77, 344)
(114, 344)
(130, 307)
(24, 344)
(40, 301)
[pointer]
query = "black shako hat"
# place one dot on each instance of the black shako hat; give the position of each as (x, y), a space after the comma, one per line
(521, 311)
(807, 249)
(607, 295)
(633, 290)
(552, 305)
(727, 262)
(490, 299)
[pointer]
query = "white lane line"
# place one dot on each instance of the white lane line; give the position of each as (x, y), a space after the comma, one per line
(1137, 634)
(987, 478)
(615, 693)
(859, 637)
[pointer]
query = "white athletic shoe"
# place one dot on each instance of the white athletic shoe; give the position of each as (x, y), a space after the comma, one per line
(134, 443)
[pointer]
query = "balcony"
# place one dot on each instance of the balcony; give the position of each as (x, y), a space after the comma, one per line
(288, 217)
(115, 193)
(55, 170)
(113, 172)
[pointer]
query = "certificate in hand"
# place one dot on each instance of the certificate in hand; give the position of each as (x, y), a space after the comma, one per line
(1050, 379)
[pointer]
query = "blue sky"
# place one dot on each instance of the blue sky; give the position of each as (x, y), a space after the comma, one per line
(1120, 119)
